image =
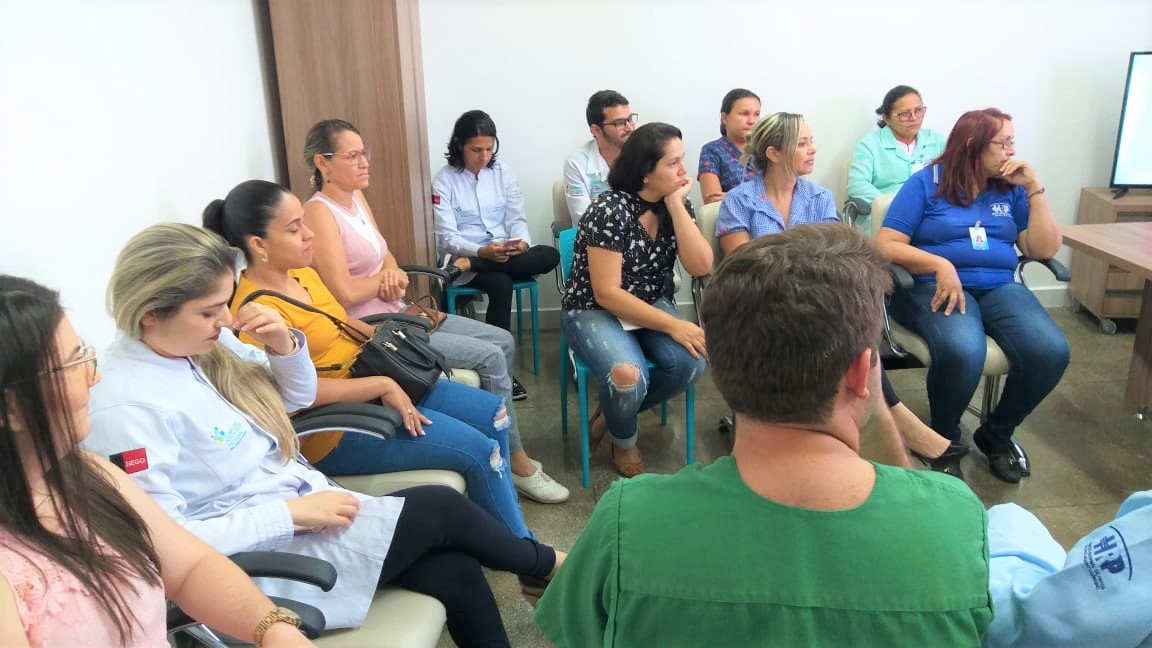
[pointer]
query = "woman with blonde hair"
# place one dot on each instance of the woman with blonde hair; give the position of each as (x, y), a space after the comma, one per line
(86, 557)
(783, 150)
(203, 417)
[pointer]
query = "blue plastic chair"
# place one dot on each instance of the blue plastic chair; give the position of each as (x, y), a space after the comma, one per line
(566, 243)
(453, 292)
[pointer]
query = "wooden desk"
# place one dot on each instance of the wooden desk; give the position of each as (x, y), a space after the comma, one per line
(1128, 246)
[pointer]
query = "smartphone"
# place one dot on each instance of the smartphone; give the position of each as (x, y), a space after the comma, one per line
(512, 243)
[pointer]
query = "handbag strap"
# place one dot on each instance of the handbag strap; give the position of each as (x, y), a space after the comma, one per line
(340, 324)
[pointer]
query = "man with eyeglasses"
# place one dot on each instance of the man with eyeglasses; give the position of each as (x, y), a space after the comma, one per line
(610, 121)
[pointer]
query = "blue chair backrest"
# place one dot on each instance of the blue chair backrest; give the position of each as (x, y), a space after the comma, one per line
(567, 240)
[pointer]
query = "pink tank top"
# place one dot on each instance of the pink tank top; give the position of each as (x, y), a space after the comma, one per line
(364, 258)
(56, 610)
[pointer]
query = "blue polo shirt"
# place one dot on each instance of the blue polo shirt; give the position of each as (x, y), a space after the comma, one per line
(747, 209)
(941, 228)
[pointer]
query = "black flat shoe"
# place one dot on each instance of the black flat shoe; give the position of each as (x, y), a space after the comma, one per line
(1002, 460)
(955, 449)
(518, 391)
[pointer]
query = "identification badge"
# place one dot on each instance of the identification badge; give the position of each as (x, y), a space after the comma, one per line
(598, 186)
(978, 236)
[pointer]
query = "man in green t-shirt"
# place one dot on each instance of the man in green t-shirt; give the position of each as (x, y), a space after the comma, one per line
(794, 540)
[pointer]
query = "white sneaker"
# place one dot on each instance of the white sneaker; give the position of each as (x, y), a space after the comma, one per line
(540, 487)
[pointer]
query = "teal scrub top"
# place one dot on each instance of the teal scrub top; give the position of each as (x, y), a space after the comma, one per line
(880, 165)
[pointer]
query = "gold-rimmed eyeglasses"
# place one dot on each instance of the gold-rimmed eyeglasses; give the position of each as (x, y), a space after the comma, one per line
(352, 157)
(87, 356)
(909, 115)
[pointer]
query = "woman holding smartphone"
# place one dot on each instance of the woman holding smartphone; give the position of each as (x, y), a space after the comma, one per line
(480, 223)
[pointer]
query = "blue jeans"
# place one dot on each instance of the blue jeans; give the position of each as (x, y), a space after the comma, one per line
(1010, 315)
(599, 339)
(464, 437)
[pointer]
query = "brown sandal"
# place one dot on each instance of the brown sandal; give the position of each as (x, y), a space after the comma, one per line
(627, 468)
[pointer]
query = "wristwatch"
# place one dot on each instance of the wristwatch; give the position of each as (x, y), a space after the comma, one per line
(279, 615)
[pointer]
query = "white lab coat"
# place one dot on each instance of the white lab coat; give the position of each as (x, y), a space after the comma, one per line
(585, 178)
(471, 211)
(221, 476)
(1097, 594)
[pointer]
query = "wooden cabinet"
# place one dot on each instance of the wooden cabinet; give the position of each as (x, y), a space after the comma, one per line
(1103, 289)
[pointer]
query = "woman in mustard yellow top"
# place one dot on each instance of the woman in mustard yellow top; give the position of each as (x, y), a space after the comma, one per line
(455, 427)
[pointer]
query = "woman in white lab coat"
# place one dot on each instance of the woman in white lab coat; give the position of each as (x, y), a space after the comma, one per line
(207, 415)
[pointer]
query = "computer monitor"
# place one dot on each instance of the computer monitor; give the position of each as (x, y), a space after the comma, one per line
(1132, 165)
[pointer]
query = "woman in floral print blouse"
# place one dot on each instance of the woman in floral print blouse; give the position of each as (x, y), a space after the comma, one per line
(617, 311)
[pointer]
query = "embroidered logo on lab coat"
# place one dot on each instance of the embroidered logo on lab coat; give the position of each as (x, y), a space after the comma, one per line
(230, 437)
(1106, 557)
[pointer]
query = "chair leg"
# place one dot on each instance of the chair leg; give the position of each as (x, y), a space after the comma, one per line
(519, 319)
(450, 298)
(664, 413)
(534, 294)
(563, 385)
(690, 423)
(582, 389)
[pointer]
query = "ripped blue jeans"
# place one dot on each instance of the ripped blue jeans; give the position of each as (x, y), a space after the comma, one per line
(465, 437)
(599, 339)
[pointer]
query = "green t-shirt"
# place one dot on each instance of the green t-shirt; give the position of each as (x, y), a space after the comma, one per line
(699, 559)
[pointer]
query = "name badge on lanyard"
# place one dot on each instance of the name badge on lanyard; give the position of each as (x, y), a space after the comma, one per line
(978, 236)
(597, 187)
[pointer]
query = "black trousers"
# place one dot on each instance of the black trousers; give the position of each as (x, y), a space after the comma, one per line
(442, 539)
(495, 279)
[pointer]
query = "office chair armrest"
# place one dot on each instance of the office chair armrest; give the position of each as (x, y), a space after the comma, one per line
(853, 209)
(559, 226)
(276, 564)
(1058, 270)
(900, 276)
(698, 286)
(271, 564)
(357, 418)
(438, 273)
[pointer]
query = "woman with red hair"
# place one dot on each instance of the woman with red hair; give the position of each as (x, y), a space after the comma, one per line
(956, 225)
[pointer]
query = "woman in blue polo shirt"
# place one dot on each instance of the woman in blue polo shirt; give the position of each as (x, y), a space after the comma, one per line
(956, 225)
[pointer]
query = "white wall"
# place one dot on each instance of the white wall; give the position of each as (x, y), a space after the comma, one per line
(1057, 66)
(114, 116)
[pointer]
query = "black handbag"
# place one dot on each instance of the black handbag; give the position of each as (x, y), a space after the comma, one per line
(399, 349)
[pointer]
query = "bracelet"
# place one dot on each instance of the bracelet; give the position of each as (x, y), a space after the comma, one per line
(278, 615)
(1037, 192)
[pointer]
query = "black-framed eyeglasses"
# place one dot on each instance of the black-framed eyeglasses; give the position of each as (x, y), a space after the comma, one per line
(352, 157)
(1005, 144)
(621, 123)
(909, 115)
(87, 356)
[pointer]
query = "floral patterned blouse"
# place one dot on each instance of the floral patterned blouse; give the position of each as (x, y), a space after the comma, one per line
(612, 223)
(56, 610)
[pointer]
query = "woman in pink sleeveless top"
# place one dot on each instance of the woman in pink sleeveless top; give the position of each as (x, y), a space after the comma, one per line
(86, 557)
(353, 260)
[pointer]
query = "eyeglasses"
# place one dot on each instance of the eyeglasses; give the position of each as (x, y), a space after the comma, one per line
(915, 113)
(621, 123)
(1005, 144)
(352, 157)
(87, 356)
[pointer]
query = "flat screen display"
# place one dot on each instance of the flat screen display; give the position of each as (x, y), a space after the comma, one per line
(1132, 166)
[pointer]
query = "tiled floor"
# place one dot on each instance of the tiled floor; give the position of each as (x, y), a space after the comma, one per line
(1088, 450)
